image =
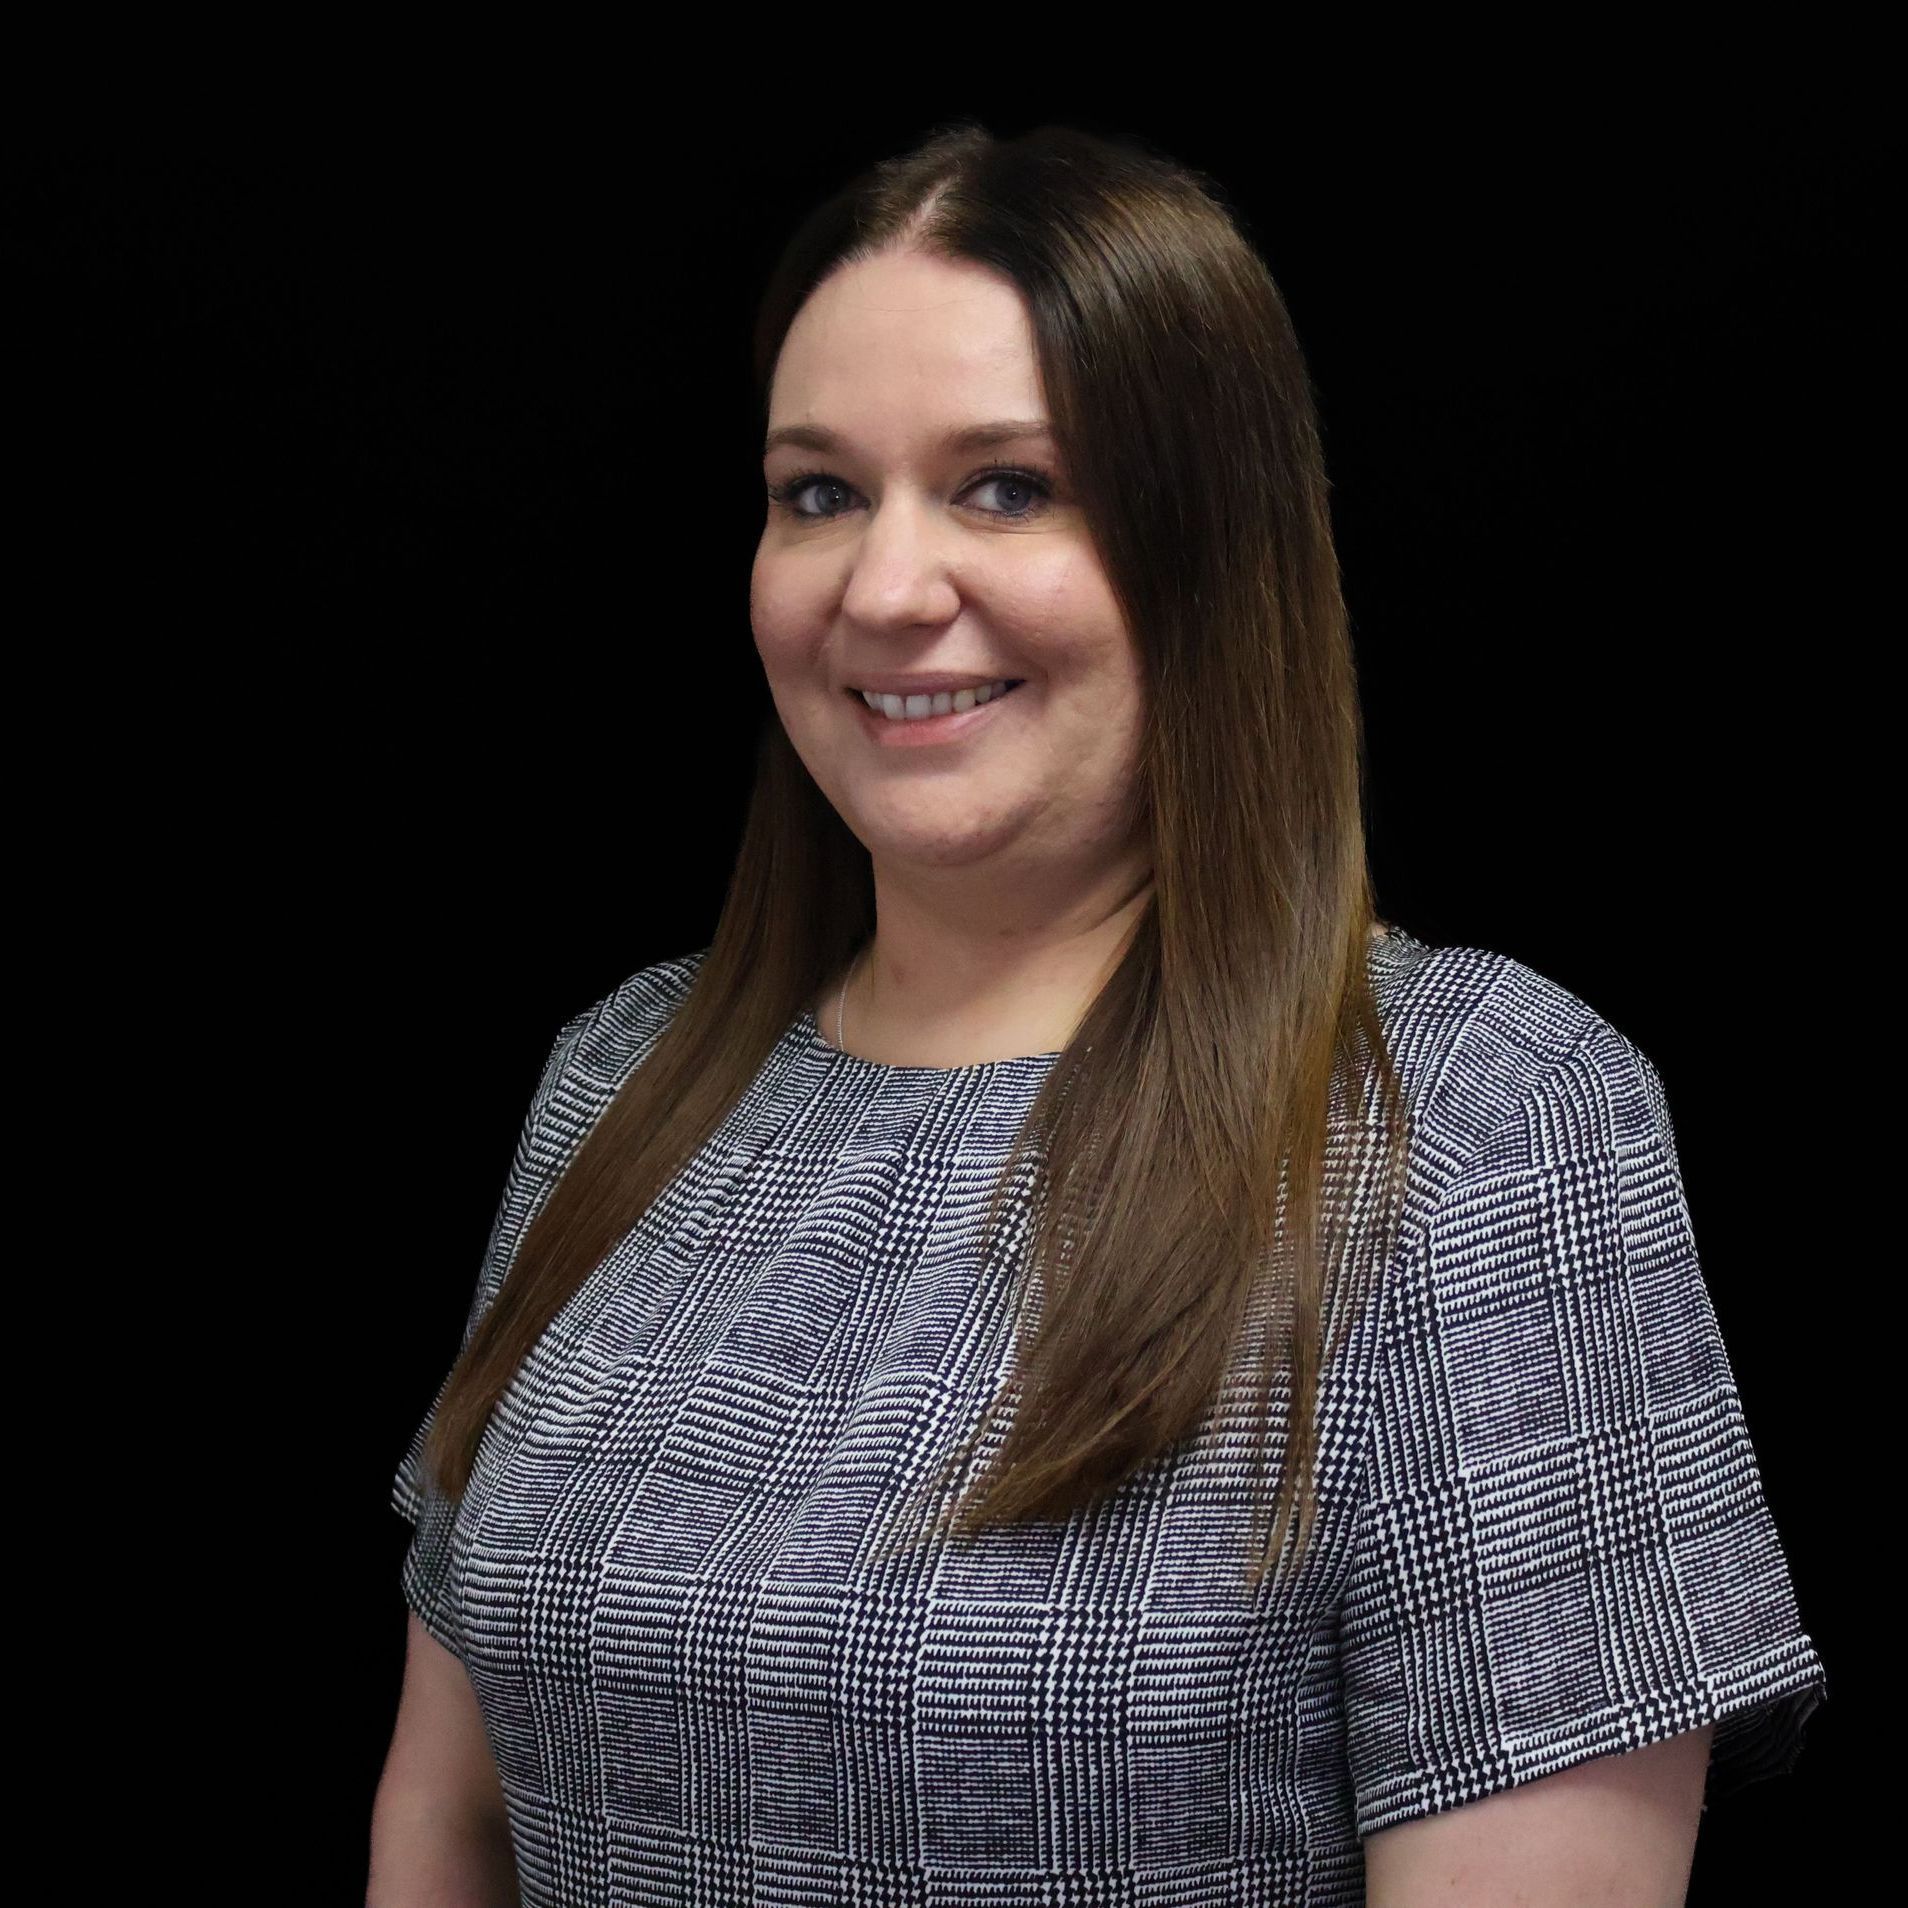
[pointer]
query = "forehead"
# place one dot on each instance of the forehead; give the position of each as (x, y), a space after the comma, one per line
(908, 335)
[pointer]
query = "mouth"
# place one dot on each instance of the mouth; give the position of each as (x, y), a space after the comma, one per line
(917, 731)
(856, 695)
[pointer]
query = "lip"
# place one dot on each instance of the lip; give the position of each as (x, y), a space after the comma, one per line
(955, 726)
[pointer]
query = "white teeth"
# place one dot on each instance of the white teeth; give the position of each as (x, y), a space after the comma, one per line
(916, 708)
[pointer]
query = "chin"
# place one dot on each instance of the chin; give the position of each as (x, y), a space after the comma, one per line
(938, 844)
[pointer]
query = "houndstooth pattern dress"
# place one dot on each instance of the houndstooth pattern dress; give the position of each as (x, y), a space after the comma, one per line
(708, 1677)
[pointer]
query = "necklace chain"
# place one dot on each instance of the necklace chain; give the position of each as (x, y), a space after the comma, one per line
(841, 1005)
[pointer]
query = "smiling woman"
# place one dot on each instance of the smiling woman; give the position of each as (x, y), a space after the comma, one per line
(1009, 861)
(907, 1314)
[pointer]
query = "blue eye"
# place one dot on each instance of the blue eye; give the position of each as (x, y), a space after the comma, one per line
(1038, 489)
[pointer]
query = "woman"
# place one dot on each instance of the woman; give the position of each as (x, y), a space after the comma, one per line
(906, 1314)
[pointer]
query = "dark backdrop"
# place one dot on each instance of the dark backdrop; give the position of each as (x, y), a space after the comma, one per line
(392, 499)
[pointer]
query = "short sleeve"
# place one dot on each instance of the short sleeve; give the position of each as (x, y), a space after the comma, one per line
(428, 1569)
(1563, 1549)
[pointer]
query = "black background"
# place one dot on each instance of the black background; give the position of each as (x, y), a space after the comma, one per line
(391, 498)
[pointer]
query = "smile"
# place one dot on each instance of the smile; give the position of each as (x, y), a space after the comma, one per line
(951, 724)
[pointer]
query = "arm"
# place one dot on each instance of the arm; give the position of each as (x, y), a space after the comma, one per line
(1616, 1829)
(440, 1836)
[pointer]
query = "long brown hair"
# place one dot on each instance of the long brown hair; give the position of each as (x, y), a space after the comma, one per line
(1187, 1131)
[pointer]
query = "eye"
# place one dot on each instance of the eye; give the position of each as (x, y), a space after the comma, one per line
(1031, 485)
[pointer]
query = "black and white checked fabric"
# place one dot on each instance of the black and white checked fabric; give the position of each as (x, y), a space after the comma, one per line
(709, 1673)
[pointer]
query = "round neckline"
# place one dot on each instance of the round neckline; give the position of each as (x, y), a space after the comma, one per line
(810, 1029)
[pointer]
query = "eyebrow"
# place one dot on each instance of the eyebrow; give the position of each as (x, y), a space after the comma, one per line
(1004, 430)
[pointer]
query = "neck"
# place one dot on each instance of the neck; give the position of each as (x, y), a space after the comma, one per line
(909, 999)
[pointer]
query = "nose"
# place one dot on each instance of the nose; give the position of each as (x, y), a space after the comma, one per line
(898, 571)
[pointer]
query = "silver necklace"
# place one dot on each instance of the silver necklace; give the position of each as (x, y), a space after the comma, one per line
(841, 1006)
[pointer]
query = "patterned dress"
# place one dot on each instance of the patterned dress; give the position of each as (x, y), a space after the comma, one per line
(707, 1677)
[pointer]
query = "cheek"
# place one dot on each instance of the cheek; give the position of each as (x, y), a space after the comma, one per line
(762, 603)
(769, 591)
(1067, 607)
(781, 632)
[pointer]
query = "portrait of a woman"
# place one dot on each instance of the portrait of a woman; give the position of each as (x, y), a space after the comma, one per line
(1062, 1357)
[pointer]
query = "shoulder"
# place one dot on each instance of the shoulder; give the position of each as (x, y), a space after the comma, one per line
(595, 1050)
(1501, 1063)
(611, 1035)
